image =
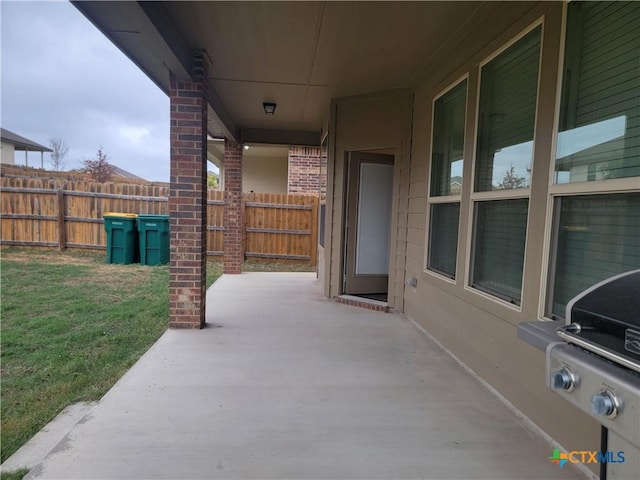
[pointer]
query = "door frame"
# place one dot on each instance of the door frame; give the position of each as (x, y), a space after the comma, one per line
(350, 220)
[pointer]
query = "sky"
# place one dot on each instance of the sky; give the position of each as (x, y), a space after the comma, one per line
(61, 77)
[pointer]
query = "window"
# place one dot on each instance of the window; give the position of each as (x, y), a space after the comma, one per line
(443, 238)
(503, 165)
(449, 114)
(595, 194)
(448, 142)
(597, 236)
(599, 128)
(507, 113)
(500, 230)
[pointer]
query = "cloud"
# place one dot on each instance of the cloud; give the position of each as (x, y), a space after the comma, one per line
(136, 135)
(62, 78)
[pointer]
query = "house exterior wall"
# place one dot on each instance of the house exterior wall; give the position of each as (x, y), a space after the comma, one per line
(264, 174)
(479, 330)
(367, 123)
(320, 268)
(7, 154)
(304, 170)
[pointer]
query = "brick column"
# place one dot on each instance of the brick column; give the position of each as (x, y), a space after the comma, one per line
(188, 202)
(233, 222)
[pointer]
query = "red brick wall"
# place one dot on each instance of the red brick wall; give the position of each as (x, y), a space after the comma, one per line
(304, 170)
(233, 222)
(187, 204)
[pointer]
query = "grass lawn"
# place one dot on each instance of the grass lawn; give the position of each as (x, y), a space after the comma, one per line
(72, 326)
(17, 475)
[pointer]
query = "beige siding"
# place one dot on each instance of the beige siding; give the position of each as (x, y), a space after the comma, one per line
(364, 123)
(320, 271)
(477, 329)
(264, 174)
(7, 154)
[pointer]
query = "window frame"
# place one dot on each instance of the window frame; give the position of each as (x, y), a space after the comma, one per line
(442, 199)
(559, 190)
(506, 194)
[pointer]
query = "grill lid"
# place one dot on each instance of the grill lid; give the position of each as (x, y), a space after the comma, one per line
(605, 319)
(616, 299)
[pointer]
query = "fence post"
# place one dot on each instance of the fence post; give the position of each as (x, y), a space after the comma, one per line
(61, 226)
(313, 247)
(243, 208)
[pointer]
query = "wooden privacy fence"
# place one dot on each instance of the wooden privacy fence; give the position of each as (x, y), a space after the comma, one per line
(283, 226)
(23, 172)
(68, 214)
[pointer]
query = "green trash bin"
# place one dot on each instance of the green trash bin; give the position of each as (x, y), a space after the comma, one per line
(153, 231)
(122, 238)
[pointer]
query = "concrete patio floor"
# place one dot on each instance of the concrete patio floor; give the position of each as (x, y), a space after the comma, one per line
(284, 383)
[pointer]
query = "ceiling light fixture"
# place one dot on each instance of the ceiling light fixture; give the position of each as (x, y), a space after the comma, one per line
(269, 108)
(246, 147)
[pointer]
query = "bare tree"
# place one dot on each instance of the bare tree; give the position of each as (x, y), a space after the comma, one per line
(511, 180)
(59, 154)
(100, 170)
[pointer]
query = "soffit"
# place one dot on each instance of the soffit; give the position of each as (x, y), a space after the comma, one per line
(302, 54)
(263, 152)
(297, 54)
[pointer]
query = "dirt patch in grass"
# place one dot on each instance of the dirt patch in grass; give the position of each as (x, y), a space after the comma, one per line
(273, 266)
(104, 274)
(101, 273)
(266, 266)
(52, 257)
(97, 259)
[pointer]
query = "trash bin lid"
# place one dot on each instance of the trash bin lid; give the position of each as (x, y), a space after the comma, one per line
(153, 217)
(116, 214)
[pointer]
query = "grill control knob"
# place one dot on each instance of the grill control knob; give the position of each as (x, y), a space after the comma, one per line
(604, 404)
(563, 380)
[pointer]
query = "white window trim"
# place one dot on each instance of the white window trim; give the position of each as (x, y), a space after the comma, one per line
(480, 293)
(505, 194)
(511, 194)
(523, 33)
(595, 186)
(444, 198)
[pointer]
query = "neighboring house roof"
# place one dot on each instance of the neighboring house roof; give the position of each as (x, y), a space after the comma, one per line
(22, 143)
(118, 172)
(456, 181)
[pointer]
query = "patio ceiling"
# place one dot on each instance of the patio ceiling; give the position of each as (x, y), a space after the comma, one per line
(299, 55)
